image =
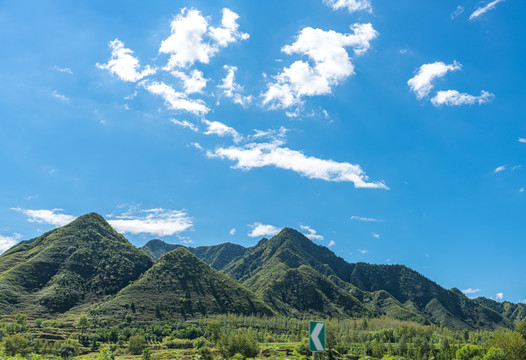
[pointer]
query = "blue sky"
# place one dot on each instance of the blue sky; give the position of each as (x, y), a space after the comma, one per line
(392, 132)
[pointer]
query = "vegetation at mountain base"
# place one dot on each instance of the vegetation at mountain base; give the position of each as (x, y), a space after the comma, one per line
(68, 266)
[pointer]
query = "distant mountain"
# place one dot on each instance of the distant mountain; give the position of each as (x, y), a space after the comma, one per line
(217, 256)
(81, 261)
(181, 285)
(389, 289)
(512, 312)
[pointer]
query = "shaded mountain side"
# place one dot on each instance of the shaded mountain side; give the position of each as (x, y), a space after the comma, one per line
(181, 285)
(511, 311)
(217, 256)
(83, 260)
(303, 291)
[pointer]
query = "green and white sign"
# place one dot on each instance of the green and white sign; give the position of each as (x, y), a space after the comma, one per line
(317, 336)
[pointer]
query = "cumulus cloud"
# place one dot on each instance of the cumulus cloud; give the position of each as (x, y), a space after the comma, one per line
(499, 296)
(329, 64)
(482, 10)
(193, 83)
(222, 130)
(61, 97)
(311, 233)
(470, 291)
(231, 89)
(256, 155)
(7, 242)
(350, 5)
(52, 217)
(455, 98)
(259, 229)
(176, 100)
(123, 64)
(186, 124)
(193, 40)
(158, 222)
(422, 83)
(365, 219)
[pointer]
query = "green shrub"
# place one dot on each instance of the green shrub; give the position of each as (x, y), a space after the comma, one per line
(146, 354)
(68, 350)
(16, 344)
(200, 342)
(238, 343)
(469, 352)
(179, 344)
(205, 353)
(136, 344)
(495, 354)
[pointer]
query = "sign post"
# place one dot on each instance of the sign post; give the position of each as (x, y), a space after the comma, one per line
(316, 338)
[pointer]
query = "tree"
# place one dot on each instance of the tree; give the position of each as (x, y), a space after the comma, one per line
(495, 354)
(68, 350)
(511, 342)
(238, 342)
(21, 320)
(16, 344)
(521, 328)
(136, 344)
(83, 323)
(146, 354)
(469, 352)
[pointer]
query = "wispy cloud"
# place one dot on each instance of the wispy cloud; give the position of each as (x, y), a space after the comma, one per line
(232, 231)
(61, 97)
(222, 130)
(185, 124)
(350, 5)
(233, 90)
(256, 155)
(375, 235)
(363, 251)
(259, 229)
(331, 64)
(365, 219)
(470, 291)
(63, 70)
(53, 217)
(459, 10)
(522, 140)
(123, 64)
(7, 242)
(311, 233)
(499, 169)
(176, 100)
(331, 243)
(482, 10)
(158, 222)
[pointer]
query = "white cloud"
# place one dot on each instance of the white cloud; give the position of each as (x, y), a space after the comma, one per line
(363, 251)
(470, 291)
(231, 89)
(375, 235)
(228, 32)
(350, 5)
(52, 217)
(158, 222)
(521, 190)
(176, 100)
(195, 83)
(522, 140)
(186, 124)
(331, 64)
(131, 96)
(197, 146)
(187, 43)
(422, 83)
(499, 296)
(482, 10)
(454, 98)
(232, 231)
(311, 233)
(61, 97)
(7, 242)
(331, 243)
(64, 70)
(259, 229)
(123, 64)
(220, 129)
(459, 10)
(256, 155)
(365, 219)
(271, 134)
(499, 169)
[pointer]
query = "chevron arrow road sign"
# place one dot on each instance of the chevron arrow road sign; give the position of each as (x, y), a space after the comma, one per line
(316, 336)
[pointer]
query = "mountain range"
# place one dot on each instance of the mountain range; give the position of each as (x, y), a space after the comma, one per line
(88, 265)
